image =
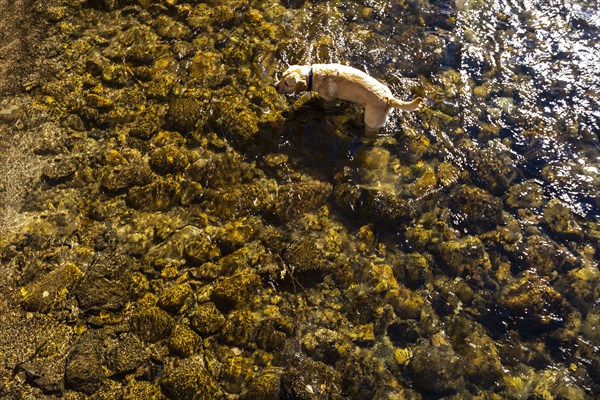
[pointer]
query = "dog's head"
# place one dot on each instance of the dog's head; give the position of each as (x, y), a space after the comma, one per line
(293, 80)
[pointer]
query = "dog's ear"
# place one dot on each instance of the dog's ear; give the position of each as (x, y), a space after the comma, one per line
(300, 83)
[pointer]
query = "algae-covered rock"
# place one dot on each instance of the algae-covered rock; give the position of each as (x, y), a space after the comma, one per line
(295, 199)
(115, 179)
(527, 194)
(170, 29)
(160, 195)
(218, 170)
(237, 233)
(532, 299)
(201, 249)
(264, 386)
(308, 257)
(465, 256)
(235, 290)
(322, 345)
(435, 368)
(492, 169)
(184, 342)
(126, 355)
(240, 329)
(235, 373)
(559, 218)
(185, 113)
(60, 170)
(50, 290)
(476, 209)
(189, 380)
(152, 324)
(168, 160)
(544, 255)
(480, 353)
(373, 206)
(98, 292)
(312, 380)
(234, 120)
(173, 298)
(206, 318)
(136, 390)
(83, 369)
(273, 333)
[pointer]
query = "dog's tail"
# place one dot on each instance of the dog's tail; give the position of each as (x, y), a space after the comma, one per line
(406, 105)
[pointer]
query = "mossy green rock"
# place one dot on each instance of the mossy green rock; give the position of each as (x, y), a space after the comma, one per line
(168, 160)
(152, 324)
(235, 290)
(50, 290)
(206, 319)
(189, 380)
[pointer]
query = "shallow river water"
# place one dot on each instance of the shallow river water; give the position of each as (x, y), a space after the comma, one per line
(172, 227)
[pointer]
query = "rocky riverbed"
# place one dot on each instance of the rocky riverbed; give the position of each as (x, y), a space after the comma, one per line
(171, 227)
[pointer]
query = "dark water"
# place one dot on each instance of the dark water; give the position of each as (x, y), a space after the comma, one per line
(174, 228)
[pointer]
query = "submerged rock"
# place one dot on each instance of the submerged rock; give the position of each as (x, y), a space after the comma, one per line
(528, 194)
(206, 318)
(294, 199)
(264, 386)
(50, 291)
(184, 342)
(531, 298)
(236, 290)
(466, 256)
(476, 209)
(168, 160)
(173, 298)
(435, 368)
(185, 113)
(83, 370)
(312, 380)
(152, 324)
(160, 195)
(126, 355)
(189, 380)
(559, 218)
(61, 170)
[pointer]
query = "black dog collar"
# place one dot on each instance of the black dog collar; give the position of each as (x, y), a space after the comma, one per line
(310, 80)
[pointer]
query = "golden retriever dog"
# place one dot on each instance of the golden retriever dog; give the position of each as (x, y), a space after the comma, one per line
(336, 81)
